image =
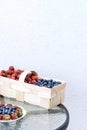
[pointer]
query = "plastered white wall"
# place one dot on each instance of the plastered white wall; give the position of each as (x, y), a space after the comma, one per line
(45, 35)
(49, 36)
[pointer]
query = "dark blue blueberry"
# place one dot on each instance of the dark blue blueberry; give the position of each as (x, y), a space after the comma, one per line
(6, 111)
(0, 112)
(45, 83)
(56, 83)
(13, 110)
(51, 80)
(1, 108)
(41, 80)
(13, 107)
(59, 82)
(9, 110)
(7, 107)
(3, 111)
(48, 86)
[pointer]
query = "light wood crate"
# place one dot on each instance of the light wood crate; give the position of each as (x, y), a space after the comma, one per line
(42, 96)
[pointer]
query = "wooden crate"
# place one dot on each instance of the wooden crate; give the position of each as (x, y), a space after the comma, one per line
(42, 96)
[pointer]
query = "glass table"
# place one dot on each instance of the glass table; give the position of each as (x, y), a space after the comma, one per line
(37, 118)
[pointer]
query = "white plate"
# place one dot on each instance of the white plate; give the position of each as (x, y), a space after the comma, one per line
(24, 113)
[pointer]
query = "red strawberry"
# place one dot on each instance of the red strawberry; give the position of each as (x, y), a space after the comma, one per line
(14, 116)
(0, 117)
(33, 81)
(9, 105)
(10, 72)
(18, 71)
(1, 74)
(13, 76)
(3, 71)
(9, 76)
(11, 68)
(34, 77)
(6, 117)
(1, 105)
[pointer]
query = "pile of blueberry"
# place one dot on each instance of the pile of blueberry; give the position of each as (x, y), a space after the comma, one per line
(47, 83)
(7, 109)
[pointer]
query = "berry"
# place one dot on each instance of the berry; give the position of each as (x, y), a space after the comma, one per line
(34, 77)
(6, 117)
(11, 68)
(0, 117)
(9, 111)
(1, 105)
(13, 116)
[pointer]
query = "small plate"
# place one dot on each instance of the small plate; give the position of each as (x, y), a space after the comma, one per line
(24, 113)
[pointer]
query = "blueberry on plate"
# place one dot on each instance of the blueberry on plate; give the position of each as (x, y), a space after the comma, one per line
(0, 112)
(6, 111)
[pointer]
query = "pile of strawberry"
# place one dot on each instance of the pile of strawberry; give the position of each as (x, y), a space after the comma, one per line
(10, 112)
(15, 74)
(11, 73)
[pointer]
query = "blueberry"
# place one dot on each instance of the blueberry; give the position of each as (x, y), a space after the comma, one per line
(45, 83)
(51, 80)
(13, 107)
(6, 111)
(57, 83)
(36, 83)
(54, 83)
(7, 107)
(3, 111)
(9, 110)
(13, 110)
(0, 112)
(41, 80)
(48, 86)
(1, 108)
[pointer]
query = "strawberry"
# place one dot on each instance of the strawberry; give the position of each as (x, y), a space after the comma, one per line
(3, 71)
(10, 72)
(34, 77)
(33, 81)
(11, 68)
(18, 71)
(9, 76)
(1, 105)
(1, 74)
(9, 105)
(14, 116)
(0, 117)
(13, 76)
(6, 117)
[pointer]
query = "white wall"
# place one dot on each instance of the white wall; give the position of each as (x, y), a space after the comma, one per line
(49, 36)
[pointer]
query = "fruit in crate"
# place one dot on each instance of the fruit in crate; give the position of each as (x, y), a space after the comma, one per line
(11, 73)
(47, 83)
(10, 112)
(31, 78)
(15, 74)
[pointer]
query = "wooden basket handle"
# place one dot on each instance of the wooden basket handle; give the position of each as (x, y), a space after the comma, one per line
(24, 74)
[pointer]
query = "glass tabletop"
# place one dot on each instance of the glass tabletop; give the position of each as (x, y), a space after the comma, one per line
(37, 118)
